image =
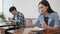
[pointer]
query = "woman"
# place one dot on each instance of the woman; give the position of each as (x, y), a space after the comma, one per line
(48, 19)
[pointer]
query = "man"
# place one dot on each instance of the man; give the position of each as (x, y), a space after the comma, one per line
(18, 19)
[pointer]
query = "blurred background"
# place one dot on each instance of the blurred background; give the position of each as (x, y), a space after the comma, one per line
(28, 7)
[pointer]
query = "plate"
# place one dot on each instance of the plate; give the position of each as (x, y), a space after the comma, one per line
(37, 29)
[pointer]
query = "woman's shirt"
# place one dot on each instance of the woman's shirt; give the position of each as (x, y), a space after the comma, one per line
(53, 20)
(46, 20)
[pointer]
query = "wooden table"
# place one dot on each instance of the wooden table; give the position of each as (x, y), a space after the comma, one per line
(47, 32)
(36, 29)
(51, 32)
(2, 30)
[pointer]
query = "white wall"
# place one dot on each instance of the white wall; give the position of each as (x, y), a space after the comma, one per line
(55, 4)
(7, 5)
(0, 5)
(29, 7)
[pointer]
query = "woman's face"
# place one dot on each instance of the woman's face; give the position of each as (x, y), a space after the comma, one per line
(42, 8)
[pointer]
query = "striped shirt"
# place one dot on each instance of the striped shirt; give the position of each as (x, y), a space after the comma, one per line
(19, 18)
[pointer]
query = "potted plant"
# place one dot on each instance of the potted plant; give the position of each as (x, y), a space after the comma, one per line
(2, 17)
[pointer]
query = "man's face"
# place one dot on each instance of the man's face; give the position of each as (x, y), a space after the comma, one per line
(14, 12)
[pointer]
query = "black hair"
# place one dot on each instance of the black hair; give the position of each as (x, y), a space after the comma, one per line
(12, 8)
(46, 3)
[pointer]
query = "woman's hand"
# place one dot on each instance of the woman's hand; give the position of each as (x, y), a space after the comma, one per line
(40, 25)
(45, 25)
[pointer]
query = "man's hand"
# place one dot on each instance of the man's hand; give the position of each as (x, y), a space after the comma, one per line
(11, 20)
(4, 20)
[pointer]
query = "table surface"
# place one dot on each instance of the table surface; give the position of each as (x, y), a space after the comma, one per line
(5, 25)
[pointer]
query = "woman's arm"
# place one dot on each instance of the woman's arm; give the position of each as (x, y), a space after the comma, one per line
(56, 22)
(52, 28)
(49, 27)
